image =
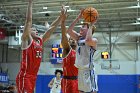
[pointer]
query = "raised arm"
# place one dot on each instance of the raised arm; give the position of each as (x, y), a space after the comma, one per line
(89, 40)
(28, 23)
(70, 30)
(64, 40)
(52, 27)
(51, 83)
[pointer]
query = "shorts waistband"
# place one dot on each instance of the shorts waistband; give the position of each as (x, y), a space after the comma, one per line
(70, 77)
(81, 44)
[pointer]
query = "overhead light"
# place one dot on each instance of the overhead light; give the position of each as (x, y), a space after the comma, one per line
(48, 12)
(67, 6)
(10, 46)
(138, 5)
(137, 23)
(138, 19)
(78, 26)
(134, 7)
(45, 7)
(70, 10)
(21, 26)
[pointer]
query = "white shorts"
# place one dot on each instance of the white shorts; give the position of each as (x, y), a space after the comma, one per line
(87, 80)
(52, 91)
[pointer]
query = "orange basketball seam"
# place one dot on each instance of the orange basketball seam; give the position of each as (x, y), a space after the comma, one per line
(90, 14)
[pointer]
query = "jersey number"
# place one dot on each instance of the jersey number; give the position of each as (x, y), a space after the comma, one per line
(56, 86)
(38, 54)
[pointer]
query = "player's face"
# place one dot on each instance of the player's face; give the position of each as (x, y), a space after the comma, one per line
(58, 74)
(72, 42)
(34, 32)
(83, 30)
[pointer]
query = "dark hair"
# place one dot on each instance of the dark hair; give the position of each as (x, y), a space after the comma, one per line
(93, 29)
(58, 71)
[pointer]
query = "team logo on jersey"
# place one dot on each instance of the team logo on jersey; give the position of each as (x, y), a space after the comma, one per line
(38, 54)
(57, 84)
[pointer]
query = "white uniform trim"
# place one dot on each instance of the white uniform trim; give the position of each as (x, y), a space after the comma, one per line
(84, 55)
(68, 53)
(56, 86)
(87, 80)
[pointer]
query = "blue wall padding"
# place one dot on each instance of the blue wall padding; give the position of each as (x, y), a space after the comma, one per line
(106, 83)
(138, 83)
(117, 84)
(42, 83)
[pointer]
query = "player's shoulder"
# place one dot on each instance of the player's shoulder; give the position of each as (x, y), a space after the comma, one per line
(54, 79)
(95, 39)
(68, 54)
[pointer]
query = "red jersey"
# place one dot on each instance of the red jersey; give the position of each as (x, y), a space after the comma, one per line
(69, 81)
(31, 58)
(68, 64)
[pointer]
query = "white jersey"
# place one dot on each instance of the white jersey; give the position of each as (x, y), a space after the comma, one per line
(87, 80)
(84, 55)
(56, 86)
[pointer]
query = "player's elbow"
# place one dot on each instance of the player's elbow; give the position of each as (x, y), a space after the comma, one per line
(91, 42)
(88, 40)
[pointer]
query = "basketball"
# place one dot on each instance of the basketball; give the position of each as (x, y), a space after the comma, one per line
(90, 14)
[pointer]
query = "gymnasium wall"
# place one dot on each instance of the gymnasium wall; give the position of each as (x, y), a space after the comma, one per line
(106, 83)
(123, 80)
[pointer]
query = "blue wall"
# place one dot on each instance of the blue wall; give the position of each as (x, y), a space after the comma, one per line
(106, 83)
(117, 84)
(42, 83)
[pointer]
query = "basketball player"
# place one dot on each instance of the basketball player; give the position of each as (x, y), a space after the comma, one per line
(55, 83)
(31, 46)
(86, 46)
(70, 72)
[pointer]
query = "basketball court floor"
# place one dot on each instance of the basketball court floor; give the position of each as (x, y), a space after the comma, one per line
(117, 59)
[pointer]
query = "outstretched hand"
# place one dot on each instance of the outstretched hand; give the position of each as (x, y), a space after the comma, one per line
(47, 24)
(63, 10)
(63, 13)
(81, 13)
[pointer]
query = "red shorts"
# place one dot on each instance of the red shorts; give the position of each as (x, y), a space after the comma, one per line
(25, 84)
(69, 86)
